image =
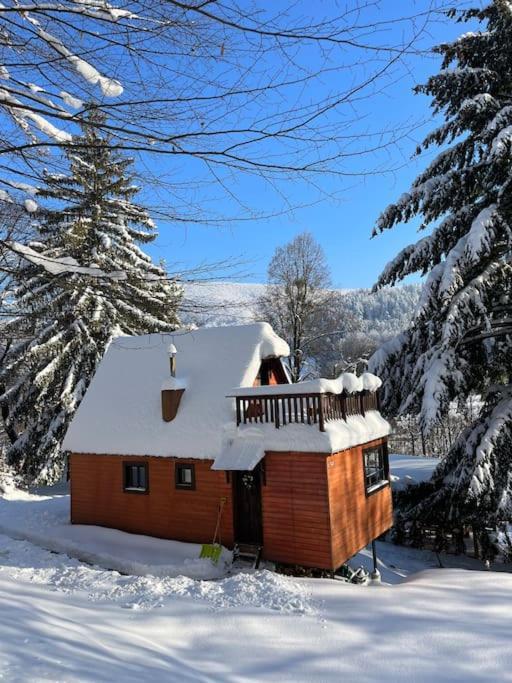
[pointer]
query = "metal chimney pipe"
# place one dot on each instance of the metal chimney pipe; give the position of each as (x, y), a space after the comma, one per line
(172, 351)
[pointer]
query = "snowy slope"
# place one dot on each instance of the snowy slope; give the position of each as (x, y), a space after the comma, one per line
(228, 303)
(411, 469)
(62, 621)
(68, 622)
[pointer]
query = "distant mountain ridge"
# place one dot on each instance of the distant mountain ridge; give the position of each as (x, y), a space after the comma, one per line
(382, 314)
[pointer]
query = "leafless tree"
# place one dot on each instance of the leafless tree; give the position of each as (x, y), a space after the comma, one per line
(222, 88)
(302, 307)
(354, 351)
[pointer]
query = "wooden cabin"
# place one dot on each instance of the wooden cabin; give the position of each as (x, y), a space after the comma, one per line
(175, 425)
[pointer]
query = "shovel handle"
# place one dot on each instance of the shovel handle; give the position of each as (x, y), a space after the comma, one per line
(221, 507)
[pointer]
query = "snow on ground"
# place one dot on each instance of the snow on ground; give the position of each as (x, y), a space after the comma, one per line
(44, 520)
(410, 469)
(63, 620)
(21, 560)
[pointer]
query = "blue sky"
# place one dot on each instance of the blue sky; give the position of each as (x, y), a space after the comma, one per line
(344, 209)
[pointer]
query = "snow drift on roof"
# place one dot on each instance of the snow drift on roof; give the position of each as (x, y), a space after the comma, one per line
(121, 412)
(240, 454)
(303, 438)
(347, 382)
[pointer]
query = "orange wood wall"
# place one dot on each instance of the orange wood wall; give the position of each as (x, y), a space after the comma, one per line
(296, 526)
(97, 497)
(356, 519)
(315, 510)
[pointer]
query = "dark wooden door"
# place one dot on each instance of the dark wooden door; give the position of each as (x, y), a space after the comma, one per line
(247, 506)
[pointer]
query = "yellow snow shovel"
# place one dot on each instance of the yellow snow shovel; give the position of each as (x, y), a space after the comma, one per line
(213, 550)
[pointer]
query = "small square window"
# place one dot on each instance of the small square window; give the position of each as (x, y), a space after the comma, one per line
(376, 468)
(136, 477)
(185, 477)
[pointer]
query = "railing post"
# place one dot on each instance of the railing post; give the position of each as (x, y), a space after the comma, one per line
(361, 402)
(321, 424)
(276, 413)
(238, 416)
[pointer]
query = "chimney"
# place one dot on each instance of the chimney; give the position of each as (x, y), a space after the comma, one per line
(172, 351)
(171, 394)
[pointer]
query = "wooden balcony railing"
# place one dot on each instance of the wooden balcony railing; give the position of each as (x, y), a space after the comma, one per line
(282, 409)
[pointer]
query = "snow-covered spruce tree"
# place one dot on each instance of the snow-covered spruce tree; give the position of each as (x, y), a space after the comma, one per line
(460, 342)
(65, 321)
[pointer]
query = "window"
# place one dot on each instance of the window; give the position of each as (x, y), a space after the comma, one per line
(185, 477)
(135, 477)
(376, 468)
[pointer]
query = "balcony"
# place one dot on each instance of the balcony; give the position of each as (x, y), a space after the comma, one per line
(291, 404)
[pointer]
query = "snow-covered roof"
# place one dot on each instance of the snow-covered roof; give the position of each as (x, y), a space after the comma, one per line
(346, 382)
(121, 411)
(253, 440)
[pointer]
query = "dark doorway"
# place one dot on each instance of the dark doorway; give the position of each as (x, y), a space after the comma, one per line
(247, 506)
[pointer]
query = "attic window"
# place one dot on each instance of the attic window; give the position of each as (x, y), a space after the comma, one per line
(376, 468)
(136, 477)
(185, 476)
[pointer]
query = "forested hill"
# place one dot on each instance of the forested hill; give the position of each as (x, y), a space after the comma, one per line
(382, 314)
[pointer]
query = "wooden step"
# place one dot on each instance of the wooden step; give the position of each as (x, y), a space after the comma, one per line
(246, 552)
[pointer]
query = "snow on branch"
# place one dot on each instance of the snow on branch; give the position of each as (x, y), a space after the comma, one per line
(65, 264)
(109, 86)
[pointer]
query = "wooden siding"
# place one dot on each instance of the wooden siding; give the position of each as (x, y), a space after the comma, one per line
(296, 527)
(356, 519)
(315, 511)
(97, 497)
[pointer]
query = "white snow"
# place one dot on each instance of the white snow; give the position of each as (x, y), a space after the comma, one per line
(172, 384)
(240, 454)
(480, 232)
(65, 621)
(62, 620)
(21, 114)
(58, 266)
(121, 411)
(44, 521)
(345, 382)
(24, 187)
(371, 382)
(30, 205)
(303, 438)
(71, 101)
(410, 469)
(109, 86)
